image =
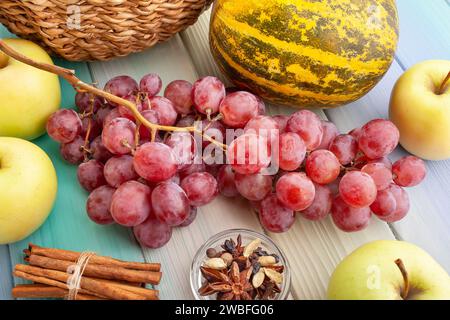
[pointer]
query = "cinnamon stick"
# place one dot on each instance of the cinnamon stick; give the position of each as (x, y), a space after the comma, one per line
(44, 291)
(51, 282)
(98, 271)
(96, 259)
(108, 290)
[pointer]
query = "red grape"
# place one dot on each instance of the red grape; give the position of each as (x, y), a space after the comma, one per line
(170, 204)
(94, 131)
(119, 170)
(118, 136)
(347, 218)
(150, 84)
(264, 126)
(355, 133)
(274, 216)
(207, 94)
(101, 115)
(295, 191)
(126, 113)
(90, 175)
(248, 154)
(261, 106)
(381, 175)
(64, 125)
(152, 233)
(191, 218)
(98, 204)
(130, 205)
(402, 201)
(385, 204)
(226, 181)
(308, 126)
(155, 162)
(345, 148)
(180, 93)
(99, 151)
(321, 206)
(378, 138)
(186, 121)
(121, 86)
(358, 189)
(200, 187)
(166, 112)
(254, 187)
(409, 171)
(334, 186)
(183, 146)
(73, 152)
(387, 163)
(113, 114)
(282, 122)
(214, 130)
(85, 101)
(192, 168)
(238, 108)
(152, 117)
(292, 151)
(330, 132)
(322, 166)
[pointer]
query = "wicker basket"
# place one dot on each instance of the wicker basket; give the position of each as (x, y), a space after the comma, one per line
(98, 29)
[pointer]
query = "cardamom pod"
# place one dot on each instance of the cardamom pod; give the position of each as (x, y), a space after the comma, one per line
(227, 257)
(273, 275)
(216, 263)
(258, 279)
(252, 246)
(267, 261)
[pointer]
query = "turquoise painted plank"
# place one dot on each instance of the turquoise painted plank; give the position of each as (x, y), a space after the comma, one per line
(424, 31)
(5, 274)
(68, 226)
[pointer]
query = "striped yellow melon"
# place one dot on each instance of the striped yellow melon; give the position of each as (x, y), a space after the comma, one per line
(305, 53)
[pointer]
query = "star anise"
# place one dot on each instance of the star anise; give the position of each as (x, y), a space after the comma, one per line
(236, 249)
(234, 286)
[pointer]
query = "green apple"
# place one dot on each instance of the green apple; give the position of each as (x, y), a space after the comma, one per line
(28, 188)
(28, 96)
(371, 273)
(420, 108)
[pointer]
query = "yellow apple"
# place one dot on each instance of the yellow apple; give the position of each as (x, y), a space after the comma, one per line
(371, 273)
(28, 96)
(28, 188)
(420, 108)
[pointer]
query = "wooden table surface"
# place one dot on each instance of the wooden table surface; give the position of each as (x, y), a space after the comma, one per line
(313, 249)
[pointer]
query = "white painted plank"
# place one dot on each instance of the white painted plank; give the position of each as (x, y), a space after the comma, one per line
(171, 61)
(424, 31)
(428, 222)
(5, 274)
(313, 249)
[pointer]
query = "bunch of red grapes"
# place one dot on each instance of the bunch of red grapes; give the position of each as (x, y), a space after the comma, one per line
(154, 181)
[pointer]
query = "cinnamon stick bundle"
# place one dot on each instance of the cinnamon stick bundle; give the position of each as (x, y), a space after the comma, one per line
(102, 277)
(98, 271)
(107, 289)
(96, 259)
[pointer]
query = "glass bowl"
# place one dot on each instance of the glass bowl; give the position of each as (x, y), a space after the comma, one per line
(217, 240)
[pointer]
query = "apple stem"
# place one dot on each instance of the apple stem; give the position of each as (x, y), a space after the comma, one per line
(69, 76)
(402, 268)
(442, 87)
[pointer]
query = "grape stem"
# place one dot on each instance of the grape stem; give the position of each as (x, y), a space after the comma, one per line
(69, 76)
(444, 83)
(402, 268)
